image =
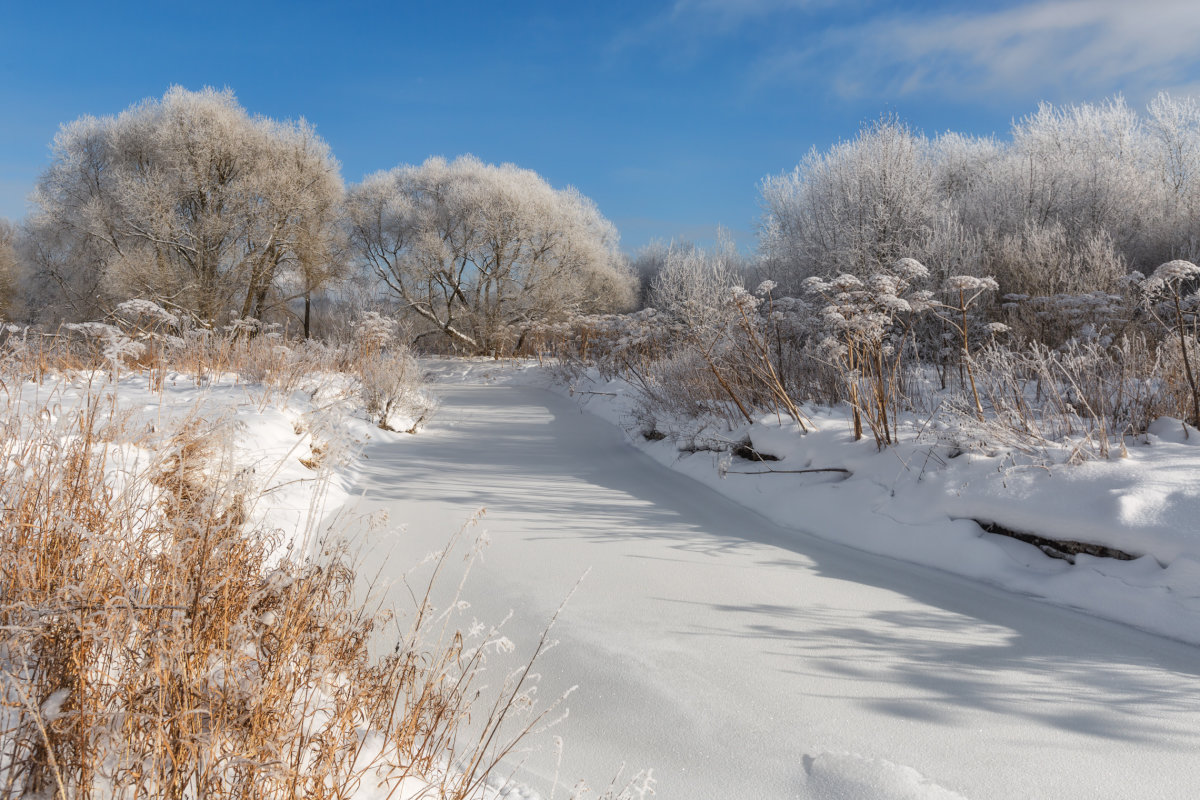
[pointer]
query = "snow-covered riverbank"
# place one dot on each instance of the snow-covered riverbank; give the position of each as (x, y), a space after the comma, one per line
(919, 501)
(740, 658)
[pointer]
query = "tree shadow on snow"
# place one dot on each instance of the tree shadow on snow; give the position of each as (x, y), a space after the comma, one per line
(944, 644)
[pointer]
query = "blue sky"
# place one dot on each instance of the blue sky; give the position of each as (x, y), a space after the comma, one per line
(667, 114)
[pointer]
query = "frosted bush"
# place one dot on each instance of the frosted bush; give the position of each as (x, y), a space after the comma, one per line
(1172, 272)
(1056, 319)
(374, 332)
(910, 269)
(1170, 281)
(146, 310)
(244, 327)
(390, 384)
(115, 346)
(970, 283)
(865, 325)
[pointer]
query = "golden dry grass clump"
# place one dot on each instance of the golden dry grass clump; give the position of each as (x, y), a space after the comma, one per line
(153, 645)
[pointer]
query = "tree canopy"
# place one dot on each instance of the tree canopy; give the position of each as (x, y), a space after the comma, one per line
(480, 251)
(187, 200)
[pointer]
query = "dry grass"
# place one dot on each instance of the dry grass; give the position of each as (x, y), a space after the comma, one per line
(152, 645)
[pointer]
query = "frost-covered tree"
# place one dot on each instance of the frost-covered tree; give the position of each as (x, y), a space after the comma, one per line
(1086, 169)
(187, 200)
(1079, 195)
(692, 286)
(854, 209)
(646, 264)
(1174, 125)
(9, 274)
(484, 252)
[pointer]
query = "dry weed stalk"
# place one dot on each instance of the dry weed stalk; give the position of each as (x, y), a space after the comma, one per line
(152, 645)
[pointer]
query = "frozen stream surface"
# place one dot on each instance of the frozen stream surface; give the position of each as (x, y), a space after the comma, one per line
(740, 659)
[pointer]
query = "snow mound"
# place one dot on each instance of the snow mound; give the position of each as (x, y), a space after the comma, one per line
(850, 776)
(1174, 431)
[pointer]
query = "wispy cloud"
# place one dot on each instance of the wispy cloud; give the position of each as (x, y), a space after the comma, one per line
(875, 48)
(1047, 48)
(682, 31)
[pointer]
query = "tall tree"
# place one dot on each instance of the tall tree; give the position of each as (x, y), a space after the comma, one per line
(481, 251)
(856, 208)
(1080, 195)
(187, 200)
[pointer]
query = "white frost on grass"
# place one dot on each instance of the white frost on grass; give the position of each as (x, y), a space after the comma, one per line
(292, 449)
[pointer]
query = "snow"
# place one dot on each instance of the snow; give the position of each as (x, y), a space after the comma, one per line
(752, 655)
(262, 434)
(293, 451)
(848, 776)
(918, 501)
(740, 658)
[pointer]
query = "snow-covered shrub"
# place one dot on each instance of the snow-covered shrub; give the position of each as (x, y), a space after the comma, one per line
(720, 343)
(244, 328)
(1042, 260)
(374, 332)
(618, 344)
(113, 345)
(1056, 319)
(147, 316)
(1175, 283)
(392, 391)
(1086, 393)
(714, 354)
(866, 324)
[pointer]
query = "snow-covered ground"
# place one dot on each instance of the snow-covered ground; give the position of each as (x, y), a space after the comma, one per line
(263, 435)
(741, 657)
(291, 455)
(722, 635)
(919, 501)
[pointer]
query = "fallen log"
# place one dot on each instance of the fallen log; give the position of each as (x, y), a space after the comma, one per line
(1066, 549)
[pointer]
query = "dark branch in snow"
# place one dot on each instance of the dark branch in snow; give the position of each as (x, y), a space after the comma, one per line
(1065, 549)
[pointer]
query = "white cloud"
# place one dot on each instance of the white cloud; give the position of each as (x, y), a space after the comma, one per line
(1045, 47)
